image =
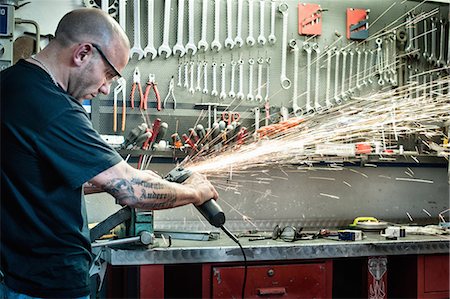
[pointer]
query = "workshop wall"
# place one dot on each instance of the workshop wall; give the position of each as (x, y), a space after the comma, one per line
(312, 197)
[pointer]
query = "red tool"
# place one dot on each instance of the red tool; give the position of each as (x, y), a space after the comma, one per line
(357, 23)
(189, 141)
(155, 130)
(136, 82)
(151, 84)
(309, 19)
(230, 117)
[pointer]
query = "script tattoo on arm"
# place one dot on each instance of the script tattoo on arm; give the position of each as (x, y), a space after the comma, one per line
(153, 195)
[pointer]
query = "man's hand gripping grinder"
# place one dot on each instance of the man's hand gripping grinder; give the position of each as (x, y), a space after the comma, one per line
(209, 209)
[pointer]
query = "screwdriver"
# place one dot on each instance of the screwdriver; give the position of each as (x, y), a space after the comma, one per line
(176, 141)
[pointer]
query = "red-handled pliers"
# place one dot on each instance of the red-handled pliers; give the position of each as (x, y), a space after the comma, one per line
(136, 81)
(151, 84)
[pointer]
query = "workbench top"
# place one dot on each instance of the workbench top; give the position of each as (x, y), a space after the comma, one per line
(225, 250)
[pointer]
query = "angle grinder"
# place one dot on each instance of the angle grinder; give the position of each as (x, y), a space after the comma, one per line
(209, 209)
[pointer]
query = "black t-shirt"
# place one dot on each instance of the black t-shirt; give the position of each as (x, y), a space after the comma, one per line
(48, 150)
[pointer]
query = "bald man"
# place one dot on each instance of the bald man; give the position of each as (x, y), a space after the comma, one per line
(49, 150)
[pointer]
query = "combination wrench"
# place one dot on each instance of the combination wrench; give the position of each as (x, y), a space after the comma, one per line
(191, 79)
(165, 48)
(203, 44)
(266, 98)
(432, 58)
(179, 46)
(250, 39)
(330, 53)
(123, 14)
(240, 93)
(190, 46)
(344, 72)
(317, 106)
(295, 107)
(250, 96)
(179, 73)
(379, 61)
(358, 68)
(137, 49)
(258, 96)
(425, 39)
(440, 62)
(205, 78)
(238, 39)
(285, 82)
(216, 45)
(350, 73)
(261, 37)
(365, 71)
(223, 93)
(214, 91)
(199, 76)
(272, 38)
(308, 50)
(186, 75)
(150, 48)
(229, 41)
(337, 99)
(232, 94)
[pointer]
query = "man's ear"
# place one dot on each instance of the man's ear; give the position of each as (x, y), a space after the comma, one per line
(82, 53)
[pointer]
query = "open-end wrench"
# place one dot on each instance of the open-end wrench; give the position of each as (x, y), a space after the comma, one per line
(295, 107)
(186, 75)
(330, 53)
(232, 94)
(238, 39)
(203, 44)
(223, 93)
(358, 68)
(190, 46)
(250, 96)
(123, 14)
(240, 93)
(229, 41)
(258, 96)
(137, 49)
(191, 78)
(308, 50)
(416, 53)
(165, 48)
(393, 65)
(216, 45)
(371, 60)
(250, 39)
(432, 58)
(205, 78)
(317, 106)
(150, 48)
(179, 46)
(386, 62)
(440, 62)
(199, 76)
(214, 91)
(344, 72)
(409, 26)
(285, 82)
(261, 37)
(272, 38)
(379, 61)
(268, 61)
(337, 99)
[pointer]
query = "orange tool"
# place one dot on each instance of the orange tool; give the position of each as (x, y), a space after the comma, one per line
(136, 82)
(151, 84)
(309, 19)
(230, 117)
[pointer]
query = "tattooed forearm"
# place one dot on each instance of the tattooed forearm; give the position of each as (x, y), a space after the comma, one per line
(153, 195)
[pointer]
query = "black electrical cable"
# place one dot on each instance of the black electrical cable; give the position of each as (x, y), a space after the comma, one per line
(236, 240)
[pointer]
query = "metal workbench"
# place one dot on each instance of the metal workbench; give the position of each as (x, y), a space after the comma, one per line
(224, 250)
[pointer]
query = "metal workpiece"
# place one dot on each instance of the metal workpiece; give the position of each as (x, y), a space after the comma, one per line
(224, 250)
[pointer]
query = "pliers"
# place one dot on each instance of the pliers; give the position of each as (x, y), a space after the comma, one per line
(171, 94)
(136, 82)
(120, 88)
(151, 84)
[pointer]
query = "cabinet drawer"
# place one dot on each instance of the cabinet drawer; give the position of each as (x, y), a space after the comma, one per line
(273, 281)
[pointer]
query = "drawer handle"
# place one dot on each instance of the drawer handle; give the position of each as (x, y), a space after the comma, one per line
(271, 291)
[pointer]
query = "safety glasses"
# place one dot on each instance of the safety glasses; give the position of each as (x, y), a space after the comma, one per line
(289, 234)
(117, 74)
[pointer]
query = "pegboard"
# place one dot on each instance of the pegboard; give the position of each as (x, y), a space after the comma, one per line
(189, 113)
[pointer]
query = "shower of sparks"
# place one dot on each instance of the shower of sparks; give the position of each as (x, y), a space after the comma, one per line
(414, 180)
(346, 183)
(426, 212)
(409, 216)
(329, 195)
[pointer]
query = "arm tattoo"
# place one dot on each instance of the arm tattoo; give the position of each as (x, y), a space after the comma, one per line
(152, 195)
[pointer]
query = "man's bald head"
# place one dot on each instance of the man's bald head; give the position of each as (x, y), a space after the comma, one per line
(90, 25)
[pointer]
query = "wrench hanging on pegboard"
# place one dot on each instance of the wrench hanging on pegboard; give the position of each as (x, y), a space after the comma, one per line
(309, 19)
(357, 23)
